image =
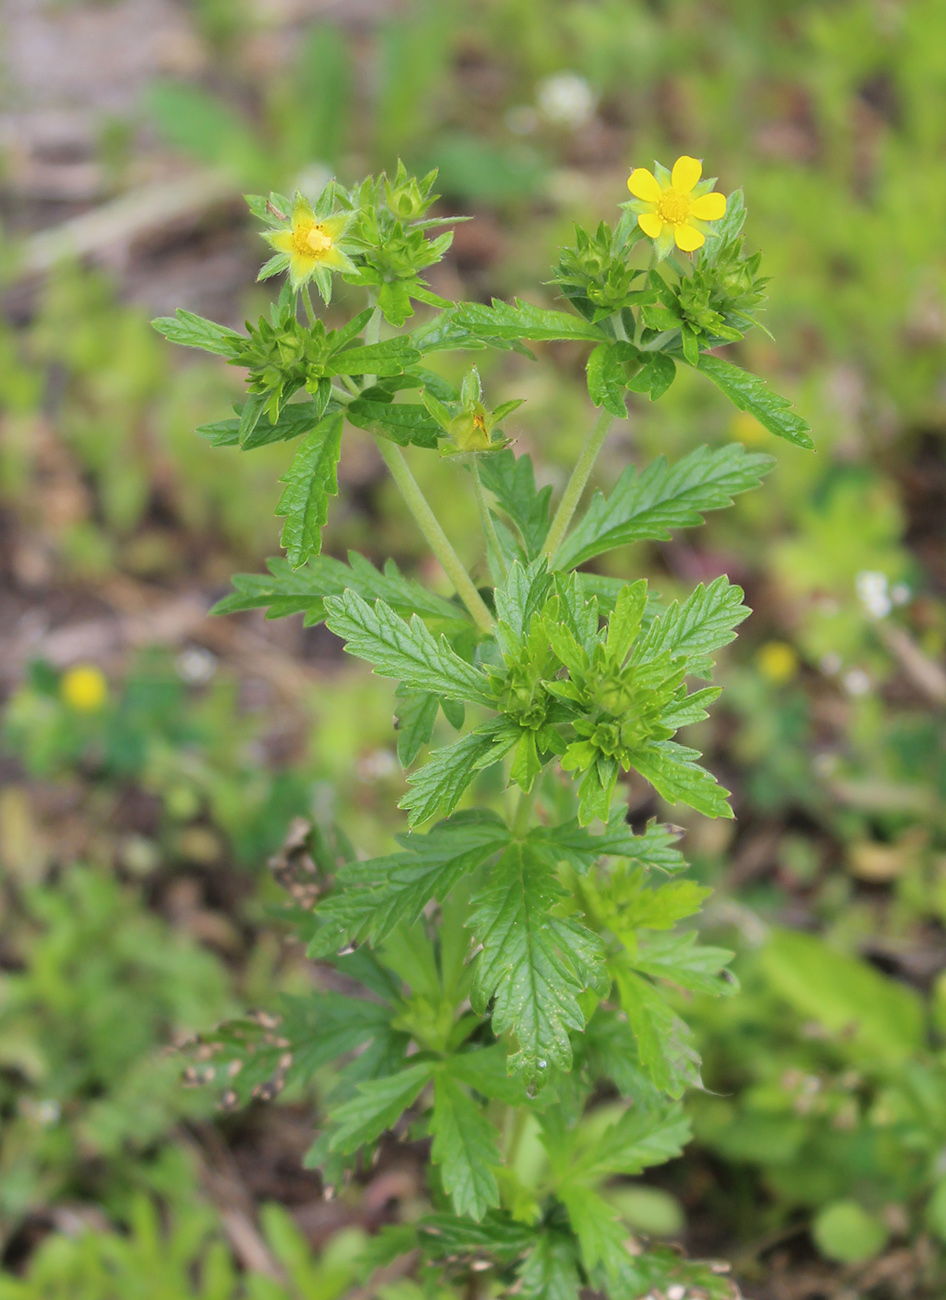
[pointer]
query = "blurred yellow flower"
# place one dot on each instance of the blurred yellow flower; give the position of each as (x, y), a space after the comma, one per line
(777, 661)
(311, 243)
(84, 688)
(673, 208)
(746, 428)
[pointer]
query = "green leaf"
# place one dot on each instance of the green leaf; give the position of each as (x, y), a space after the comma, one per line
(581, 848)
(533, 964)
(295, 419)
(520, 320)
(402, 422)
(415, 714)
(705, 622)
(874, 1016)
(595, 1223)
(438, 786)
(402, 650)
(655, 377)
(660, 499)
(376, 1106)
(634, 1142)
(465, 1148)
(390, 357)
(195, 332)
(749, 393)
(484, 1069)
(845, 1232)
(606, 380)
(511, 479)
(287, 591)
(377, 895)
(521, 595)
(676, 776)
(310, 480)
(681, 959)
(497, 1236)
(664, 1041)
(550, 1271)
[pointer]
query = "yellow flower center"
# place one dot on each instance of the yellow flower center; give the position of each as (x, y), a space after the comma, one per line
(673, 208)
(310, 237)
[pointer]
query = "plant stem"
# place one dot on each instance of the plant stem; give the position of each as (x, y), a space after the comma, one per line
(307, 303)
(520, 822)
(576, 484)
(437, 539)
(489, 528)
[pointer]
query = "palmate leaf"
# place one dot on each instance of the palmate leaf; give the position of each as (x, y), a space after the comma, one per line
(750, 393)
(375, 896)
(705, 622)
(511, 480)
(465, 1149)
(310, 480)
(438, 786)
(406, 651)
(520, 320)
(663, 497)
(533, 964)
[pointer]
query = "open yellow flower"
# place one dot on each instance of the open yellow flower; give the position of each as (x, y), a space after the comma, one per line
(84, 688)
(310, 244)
(673, 207)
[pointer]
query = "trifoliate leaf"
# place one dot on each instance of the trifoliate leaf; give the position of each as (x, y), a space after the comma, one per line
(511, 480)
(660, 499)
(750, 393)
(465, 1149)
(310, 480)
(376, 1106)
(533, 964)
(406, 651)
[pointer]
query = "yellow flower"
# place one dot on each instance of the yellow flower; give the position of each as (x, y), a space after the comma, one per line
(673, 207)
(84, 688)
(310, 244)
(777, 661)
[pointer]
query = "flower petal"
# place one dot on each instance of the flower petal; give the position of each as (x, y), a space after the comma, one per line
(336, 226)
(643, 185)
(301, 209)
(686, 172)
(281, 240)
(710, 207)
(651, 224)
(688, 238)
(336, 260)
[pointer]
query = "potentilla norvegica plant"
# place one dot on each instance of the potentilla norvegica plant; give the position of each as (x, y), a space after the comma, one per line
(514, 959)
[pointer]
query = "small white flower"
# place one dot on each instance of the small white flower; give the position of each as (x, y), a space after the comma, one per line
(856, 682)
(900, 593)
(566, 99)
(196, 665)
(872, 593)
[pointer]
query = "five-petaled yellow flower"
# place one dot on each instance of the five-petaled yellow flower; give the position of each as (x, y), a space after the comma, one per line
(673, 207)
(311, 243)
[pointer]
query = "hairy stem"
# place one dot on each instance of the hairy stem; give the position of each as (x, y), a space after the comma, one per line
(437, 539)
(576, 484)
(489, 528)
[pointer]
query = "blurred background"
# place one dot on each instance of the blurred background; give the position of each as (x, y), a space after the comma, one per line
(152, 760)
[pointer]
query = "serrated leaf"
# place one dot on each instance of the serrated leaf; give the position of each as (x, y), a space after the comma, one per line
(595, 1223)
(438, 786)
(660, 499)
(402, 422)
(193, 331)
(406, 651)
(375, 896)
(484, 1069)
(287, 591)
(681, 959)
(581, 848)
(415, 713)
(310, 480)
(550, 1271)
(633, 1143)
(664, 1041)
(497, 1236)
(520, 320)
(465, 1148)
(749, 392)
(511, 480)
(606, 380)
(376, 1106)
(522, 594)
(295, 419)
(705, 622)
(674, 773)
(390, 357)
(533, 964)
